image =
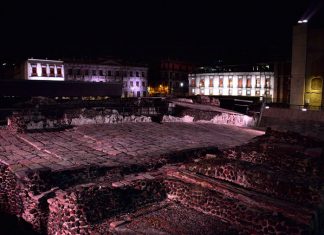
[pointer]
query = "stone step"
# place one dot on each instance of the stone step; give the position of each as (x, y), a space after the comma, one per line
(293, 159)
(289, 152)
(278, 184)
(252, 212)
(80, 207)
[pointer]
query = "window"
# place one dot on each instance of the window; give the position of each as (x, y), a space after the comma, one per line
(94, 72)
(59, 71)
(100, 73)
(267, 83)
(211, 82)
(34, 71)
(52, 72)
(117, 73)
(229, 91)
(248, 92)
(193, 82)
(248, 82)
(109, 73)
(137, 74)
(258, 82)
(69, 71)
(144, 93)
(316, 84)
(143, 74)
(78, 72)
(125, 94)
(131, 83)
(257, 92)
(239, 92)
(131, 73)
(143, 84)
(137, 83)
(86, 72)
(202, 83)
(44, 73)
(220, 91)
(240, 83)
(138, 93)
(125, 84)
(221, 82)
(230, 83)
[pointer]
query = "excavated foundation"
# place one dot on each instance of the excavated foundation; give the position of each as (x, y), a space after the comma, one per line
(271, 185)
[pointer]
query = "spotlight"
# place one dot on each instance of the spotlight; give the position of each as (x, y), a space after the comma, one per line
(305, 21)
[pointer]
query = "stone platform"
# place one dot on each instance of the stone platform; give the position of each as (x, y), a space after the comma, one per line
(170, 178)
(34, 166)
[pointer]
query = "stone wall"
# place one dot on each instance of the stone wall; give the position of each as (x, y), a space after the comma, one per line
(73, 211)
(211, 117)
(28, 121)
(258, 178)
(249, 219)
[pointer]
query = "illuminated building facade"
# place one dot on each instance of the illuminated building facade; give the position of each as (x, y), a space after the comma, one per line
(133, 78)
(47, 70)
(233, 84)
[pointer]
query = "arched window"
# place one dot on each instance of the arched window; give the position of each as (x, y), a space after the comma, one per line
(316, 84)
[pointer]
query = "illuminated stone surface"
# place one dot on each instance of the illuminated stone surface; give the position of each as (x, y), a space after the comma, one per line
(159, 178)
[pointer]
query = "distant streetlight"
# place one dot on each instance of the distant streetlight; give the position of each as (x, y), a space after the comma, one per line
(302, 21)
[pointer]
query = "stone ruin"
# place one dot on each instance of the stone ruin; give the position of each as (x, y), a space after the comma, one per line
(271, 185)
(34, 120)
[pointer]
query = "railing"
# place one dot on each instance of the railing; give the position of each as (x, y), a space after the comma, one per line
(292, 106)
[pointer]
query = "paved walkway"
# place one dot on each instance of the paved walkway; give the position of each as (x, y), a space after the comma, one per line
(112, 144)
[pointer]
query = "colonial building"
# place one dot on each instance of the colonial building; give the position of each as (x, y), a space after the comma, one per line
(39, 69)
(229, 83)
(133, 78)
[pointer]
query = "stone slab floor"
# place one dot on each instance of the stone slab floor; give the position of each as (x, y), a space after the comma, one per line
(112, 144)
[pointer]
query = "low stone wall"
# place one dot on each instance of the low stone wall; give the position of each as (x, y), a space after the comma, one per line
(210, 117)
(74, 211)
(286, 152)
(28, 121)
(17, 199)
(274, 183)
(249, 219)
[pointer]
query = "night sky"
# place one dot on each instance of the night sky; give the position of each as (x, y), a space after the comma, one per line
(231, 31)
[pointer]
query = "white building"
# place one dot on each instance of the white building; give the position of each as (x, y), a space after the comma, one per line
(232, 84)
(48, 70)
(134, 79)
